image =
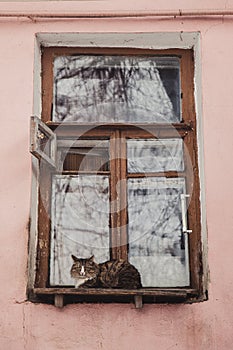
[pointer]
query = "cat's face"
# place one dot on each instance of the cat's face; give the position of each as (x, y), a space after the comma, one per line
(84, 268)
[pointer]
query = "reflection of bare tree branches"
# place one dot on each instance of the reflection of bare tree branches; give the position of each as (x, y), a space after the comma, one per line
(79, 222)
(115, 86)
(155, 233)
(58, 243)
(157, 229)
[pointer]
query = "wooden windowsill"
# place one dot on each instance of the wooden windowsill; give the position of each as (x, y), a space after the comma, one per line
(120, 295)
(100, 291)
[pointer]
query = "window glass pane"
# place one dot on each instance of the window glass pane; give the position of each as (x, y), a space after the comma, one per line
(84, 155)
(157, 246)
(115, 89)
(155, 155)
(80, 223)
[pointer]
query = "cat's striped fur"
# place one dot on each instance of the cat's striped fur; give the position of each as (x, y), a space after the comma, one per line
(110, 274)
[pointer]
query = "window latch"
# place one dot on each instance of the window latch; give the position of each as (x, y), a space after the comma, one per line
(40, 135)
(183, 212)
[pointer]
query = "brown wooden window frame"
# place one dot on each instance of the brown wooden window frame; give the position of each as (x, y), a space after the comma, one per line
(118, 134)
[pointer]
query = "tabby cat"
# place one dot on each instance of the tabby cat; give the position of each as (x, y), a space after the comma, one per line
(110, 274)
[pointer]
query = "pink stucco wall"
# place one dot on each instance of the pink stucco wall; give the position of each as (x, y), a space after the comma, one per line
(28, 326)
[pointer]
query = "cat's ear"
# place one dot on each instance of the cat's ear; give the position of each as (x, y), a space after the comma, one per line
(74, 258)
(91, 258)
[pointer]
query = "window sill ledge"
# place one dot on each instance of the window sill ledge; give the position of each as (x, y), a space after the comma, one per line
(61, 296)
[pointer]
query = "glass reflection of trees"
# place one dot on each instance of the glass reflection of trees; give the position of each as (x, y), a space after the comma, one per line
(156, 242)
(80, 222)
(116, 89)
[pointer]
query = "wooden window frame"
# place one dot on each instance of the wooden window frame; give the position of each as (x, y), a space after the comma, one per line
(118, 133)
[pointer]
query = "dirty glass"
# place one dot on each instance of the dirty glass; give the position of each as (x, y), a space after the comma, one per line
(157, 245)
(146, 155)
(116, 89)
(80, 223)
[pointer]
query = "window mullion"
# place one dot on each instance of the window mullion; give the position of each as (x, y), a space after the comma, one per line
(118, 196)
(115, 171)
(123, 196)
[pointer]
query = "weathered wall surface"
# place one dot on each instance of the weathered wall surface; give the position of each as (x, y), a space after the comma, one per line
(27, 326)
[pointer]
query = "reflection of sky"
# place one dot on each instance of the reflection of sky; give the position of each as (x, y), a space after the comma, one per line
(80, 223)
(104, 89)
